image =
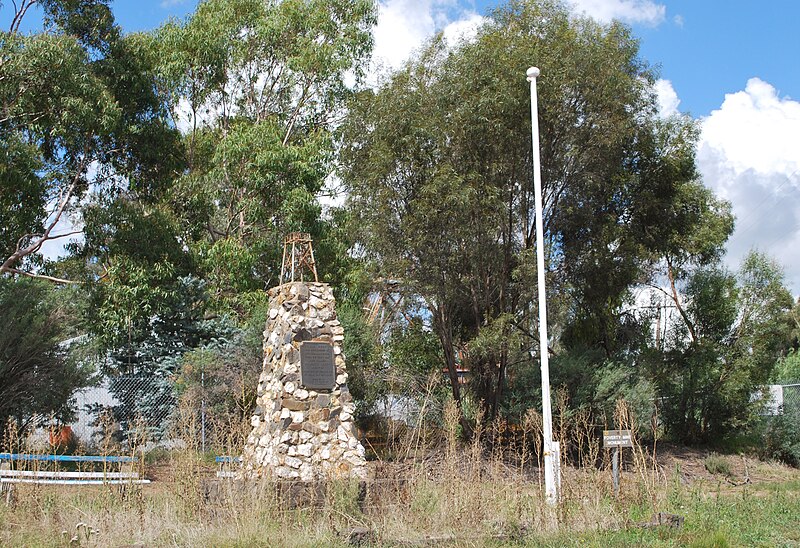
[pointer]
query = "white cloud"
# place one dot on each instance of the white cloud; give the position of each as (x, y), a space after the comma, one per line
(748, 154)
(403, 26)
(463, 29)
(667, 98)
(631, 11)
(756, 129)
(166, 4)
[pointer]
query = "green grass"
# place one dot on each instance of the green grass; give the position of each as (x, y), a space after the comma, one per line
(767, 517)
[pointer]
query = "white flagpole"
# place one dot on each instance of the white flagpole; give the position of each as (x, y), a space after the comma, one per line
(551, 448)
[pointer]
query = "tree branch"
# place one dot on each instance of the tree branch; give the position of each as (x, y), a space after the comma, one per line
(677, 301)
(19, 14)
(40, 276)
(64, 198)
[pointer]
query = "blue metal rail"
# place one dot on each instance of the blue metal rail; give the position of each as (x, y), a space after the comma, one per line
(64, 458)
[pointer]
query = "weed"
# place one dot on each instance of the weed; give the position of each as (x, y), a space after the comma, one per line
(717, 464)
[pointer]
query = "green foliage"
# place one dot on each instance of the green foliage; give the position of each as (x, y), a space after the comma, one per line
(619, 381)
(223, 373)
(780, 437)
(80, 111)
(143, 362)
(22, 193)
(439, 169)
(37, 373)
(787, 370)
(366, 371)
(263, 81)
(734, 330)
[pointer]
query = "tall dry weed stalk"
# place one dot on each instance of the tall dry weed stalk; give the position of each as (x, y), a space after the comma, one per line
(186, 464)
(651, 483)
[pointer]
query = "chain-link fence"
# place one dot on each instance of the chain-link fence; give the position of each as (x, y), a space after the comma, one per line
(121, 403)
(790, 399)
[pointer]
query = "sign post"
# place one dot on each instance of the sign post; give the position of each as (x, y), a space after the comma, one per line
(616, 439)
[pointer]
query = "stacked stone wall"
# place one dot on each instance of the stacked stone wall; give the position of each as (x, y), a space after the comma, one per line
(300, 433)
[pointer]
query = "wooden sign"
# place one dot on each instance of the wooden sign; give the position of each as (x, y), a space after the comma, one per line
(617, 438)
(317, 367)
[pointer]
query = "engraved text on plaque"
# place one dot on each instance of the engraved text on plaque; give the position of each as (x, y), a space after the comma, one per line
(317, 368)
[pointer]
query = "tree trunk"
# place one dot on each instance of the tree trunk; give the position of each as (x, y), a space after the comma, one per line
(444, 329)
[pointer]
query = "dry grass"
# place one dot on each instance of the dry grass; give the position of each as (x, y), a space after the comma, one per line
(446, 491)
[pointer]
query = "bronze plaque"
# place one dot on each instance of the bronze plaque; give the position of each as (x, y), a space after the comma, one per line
(317, 368)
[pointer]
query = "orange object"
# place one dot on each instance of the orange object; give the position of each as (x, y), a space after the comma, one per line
(61, 436)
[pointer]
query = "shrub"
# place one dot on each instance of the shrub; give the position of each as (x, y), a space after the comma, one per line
(781, 438)
(717, 464)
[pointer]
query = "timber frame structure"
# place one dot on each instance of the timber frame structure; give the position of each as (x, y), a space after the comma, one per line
(298, 256)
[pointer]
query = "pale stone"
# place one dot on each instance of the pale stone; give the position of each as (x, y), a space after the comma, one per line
(342, 433)
(293, 462)
(285, 413)
(341, 378)
(325, 453)
(345, 416)
(301, 394)
(297, 416)
(337, 349)
(305, 436)
(305, 449)
(289, 387)
(290, 368)
(283, 472)
(326, 314)
(273, 313)
(306, 472)
(255, 420)
(292, 451)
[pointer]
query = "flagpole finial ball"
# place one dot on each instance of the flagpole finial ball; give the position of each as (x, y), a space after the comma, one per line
(533, 72)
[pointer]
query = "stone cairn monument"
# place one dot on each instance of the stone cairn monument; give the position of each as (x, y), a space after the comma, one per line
(303, 422)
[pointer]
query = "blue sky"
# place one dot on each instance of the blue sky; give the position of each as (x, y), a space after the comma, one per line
(706, 48)
(733, 65)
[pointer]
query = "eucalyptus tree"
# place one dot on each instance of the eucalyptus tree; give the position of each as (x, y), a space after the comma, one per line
(79, 110)
(256, 86)
(438, 165)
(724, 345)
